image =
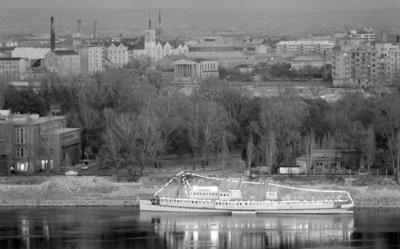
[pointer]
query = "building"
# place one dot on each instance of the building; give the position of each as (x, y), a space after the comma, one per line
(30, 53)
(365, 35)
(117, 54)
(63, 62)
(387, 58)
(91, 59)
(342, 68)
(217, 48)
(366, 65)
(150, 43)
(193, 71)
(13, 67)
(329, 160)
(299, 62)
(304, 47)
(30, 143)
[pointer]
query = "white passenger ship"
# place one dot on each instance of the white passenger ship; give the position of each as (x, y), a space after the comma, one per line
(211, 199)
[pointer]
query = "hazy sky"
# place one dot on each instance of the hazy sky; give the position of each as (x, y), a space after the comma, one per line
(275, 5)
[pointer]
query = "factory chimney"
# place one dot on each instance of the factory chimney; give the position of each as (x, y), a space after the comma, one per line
(78, 33)
(149, 21)
(52, 34)
(94, 29)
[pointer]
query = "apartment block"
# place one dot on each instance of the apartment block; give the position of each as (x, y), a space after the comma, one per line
(366, 65)
(304, 47)
(91, 59)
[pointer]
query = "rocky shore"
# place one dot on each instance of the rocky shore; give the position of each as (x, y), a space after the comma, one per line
(62, 191)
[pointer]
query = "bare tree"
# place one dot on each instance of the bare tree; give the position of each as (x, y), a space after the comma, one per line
(206, 121)
(279, 122)
(270, 150)
(389, 126)
(132, 141)
(309, 145)
(370, 145)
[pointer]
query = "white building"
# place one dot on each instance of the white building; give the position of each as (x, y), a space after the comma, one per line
(91, 59)
(117, 54)
(193, 71)
(304, 47)
(365, 35)
(13, 67)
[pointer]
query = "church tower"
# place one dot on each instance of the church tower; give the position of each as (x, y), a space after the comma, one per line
(150, 40)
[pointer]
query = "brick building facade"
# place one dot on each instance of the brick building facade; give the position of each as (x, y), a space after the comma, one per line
(29, 143)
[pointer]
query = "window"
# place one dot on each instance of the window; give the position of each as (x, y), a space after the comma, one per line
(22, 166)
(21, 153)
(20, 135)
(23, 135)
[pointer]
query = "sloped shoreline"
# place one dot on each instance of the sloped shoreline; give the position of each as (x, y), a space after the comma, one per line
(91, 191)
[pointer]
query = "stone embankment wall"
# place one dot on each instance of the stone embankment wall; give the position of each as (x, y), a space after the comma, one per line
(73, 191)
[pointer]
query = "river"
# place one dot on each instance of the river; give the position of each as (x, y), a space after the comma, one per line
(123, 228)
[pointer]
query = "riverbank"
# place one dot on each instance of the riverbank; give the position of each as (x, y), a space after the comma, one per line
(62, 191)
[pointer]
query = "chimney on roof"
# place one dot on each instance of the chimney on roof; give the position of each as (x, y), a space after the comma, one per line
(78, 33)
(52, 34)
(94, 29)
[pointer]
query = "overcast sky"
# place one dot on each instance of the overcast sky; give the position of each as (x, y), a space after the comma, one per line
(273, 5)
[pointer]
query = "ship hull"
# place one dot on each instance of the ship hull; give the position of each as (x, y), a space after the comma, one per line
(146, 205)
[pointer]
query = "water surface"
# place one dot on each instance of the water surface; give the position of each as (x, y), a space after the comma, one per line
(117, 228)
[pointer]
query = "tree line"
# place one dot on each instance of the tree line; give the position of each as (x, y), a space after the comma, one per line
(132, 119)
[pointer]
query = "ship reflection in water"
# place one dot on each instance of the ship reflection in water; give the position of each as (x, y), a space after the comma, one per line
(125, 228)
(188, 231)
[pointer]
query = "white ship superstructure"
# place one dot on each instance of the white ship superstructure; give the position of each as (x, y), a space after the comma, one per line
(213, 199)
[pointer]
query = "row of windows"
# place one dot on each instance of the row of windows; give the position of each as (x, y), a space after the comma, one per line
(23, 135)
(209, 194)
(117, 52)
(8, 66)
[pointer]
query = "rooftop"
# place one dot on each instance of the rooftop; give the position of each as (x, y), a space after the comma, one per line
(307, 58)
(306, 42)
(63, 131)
(64, 52)
(7, 117)
(10, 58)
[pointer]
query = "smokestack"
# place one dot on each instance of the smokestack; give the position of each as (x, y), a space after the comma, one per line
(149, 21)
(94, 29)
(52, 34)
(78, 33)
(159, 17)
